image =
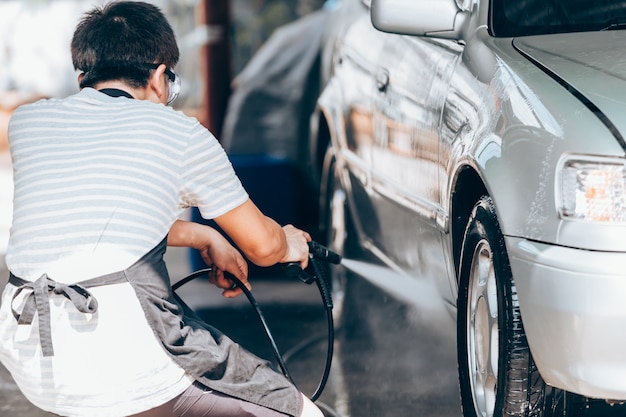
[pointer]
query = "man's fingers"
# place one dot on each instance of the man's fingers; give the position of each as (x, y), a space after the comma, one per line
(227, 283)
(235, 289)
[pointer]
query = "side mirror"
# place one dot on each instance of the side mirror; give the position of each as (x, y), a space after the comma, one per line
(431, 18)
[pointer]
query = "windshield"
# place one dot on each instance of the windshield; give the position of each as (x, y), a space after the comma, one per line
(535, 17)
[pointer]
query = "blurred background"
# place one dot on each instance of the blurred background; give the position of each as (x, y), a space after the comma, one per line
(218, 40)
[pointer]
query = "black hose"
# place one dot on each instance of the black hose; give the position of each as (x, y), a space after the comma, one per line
(322, 285)
(317, 251)
(191, 277)
(255, 305)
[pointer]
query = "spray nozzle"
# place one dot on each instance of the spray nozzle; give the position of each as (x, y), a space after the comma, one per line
(316, 251)
(323, 253)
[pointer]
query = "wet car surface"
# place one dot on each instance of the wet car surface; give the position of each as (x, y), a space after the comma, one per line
(476, 162)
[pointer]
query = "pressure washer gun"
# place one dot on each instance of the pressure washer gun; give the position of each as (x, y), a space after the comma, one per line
(317, 252)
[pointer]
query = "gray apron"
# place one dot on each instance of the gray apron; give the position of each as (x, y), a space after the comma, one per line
(203, 351)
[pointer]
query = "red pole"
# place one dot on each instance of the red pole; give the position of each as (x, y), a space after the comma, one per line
(217, 63)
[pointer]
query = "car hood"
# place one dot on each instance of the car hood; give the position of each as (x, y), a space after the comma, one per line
(593, 63)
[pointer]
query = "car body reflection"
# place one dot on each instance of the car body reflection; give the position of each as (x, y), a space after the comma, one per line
(476, 165)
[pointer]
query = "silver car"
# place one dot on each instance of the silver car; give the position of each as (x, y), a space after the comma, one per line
(477, 156)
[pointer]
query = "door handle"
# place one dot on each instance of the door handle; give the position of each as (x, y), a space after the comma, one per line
(382, 80)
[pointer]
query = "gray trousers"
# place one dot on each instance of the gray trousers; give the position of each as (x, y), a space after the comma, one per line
(199, 401)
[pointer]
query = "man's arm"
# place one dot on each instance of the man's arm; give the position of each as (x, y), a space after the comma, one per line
(263, 240)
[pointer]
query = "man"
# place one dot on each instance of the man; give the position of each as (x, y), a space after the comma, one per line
(88, 323)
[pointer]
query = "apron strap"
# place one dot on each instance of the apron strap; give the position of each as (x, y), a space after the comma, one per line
(37, 302)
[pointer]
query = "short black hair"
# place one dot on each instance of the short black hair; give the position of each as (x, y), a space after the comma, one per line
(115, 41)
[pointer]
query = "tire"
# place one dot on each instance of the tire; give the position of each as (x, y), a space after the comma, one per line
(497, 374)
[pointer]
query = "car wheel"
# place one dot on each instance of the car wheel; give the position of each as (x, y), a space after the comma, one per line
(497, 374)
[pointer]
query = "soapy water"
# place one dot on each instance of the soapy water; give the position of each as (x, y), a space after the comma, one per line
(420, 292)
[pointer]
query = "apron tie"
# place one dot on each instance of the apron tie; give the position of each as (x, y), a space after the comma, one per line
(38, 302)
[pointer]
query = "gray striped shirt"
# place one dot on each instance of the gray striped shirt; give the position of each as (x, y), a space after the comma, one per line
(93, 171)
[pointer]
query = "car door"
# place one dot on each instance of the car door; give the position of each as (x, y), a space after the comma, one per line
(412, 79)
(357, 59)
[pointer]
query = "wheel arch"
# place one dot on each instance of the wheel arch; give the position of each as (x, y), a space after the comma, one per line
(467, 190)
(322, 158)
(319, 139)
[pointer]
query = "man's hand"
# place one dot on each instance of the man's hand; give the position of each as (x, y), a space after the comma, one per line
(297, 246)
(221, 256)
(216, 252)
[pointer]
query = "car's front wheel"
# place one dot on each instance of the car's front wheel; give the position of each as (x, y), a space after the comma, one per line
(497, 374)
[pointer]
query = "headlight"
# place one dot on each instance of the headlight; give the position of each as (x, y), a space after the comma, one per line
(592, 189)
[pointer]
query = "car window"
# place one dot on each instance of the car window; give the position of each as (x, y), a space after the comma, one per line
(535, 17)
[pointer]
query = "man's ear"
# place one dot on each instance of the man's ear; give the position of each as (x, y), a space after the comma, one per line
(80, 78)
(157, 84)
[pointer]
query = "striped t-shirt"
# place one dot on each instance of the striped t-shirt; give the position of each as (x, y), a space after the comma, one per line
(98, 183)
(96, 173)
